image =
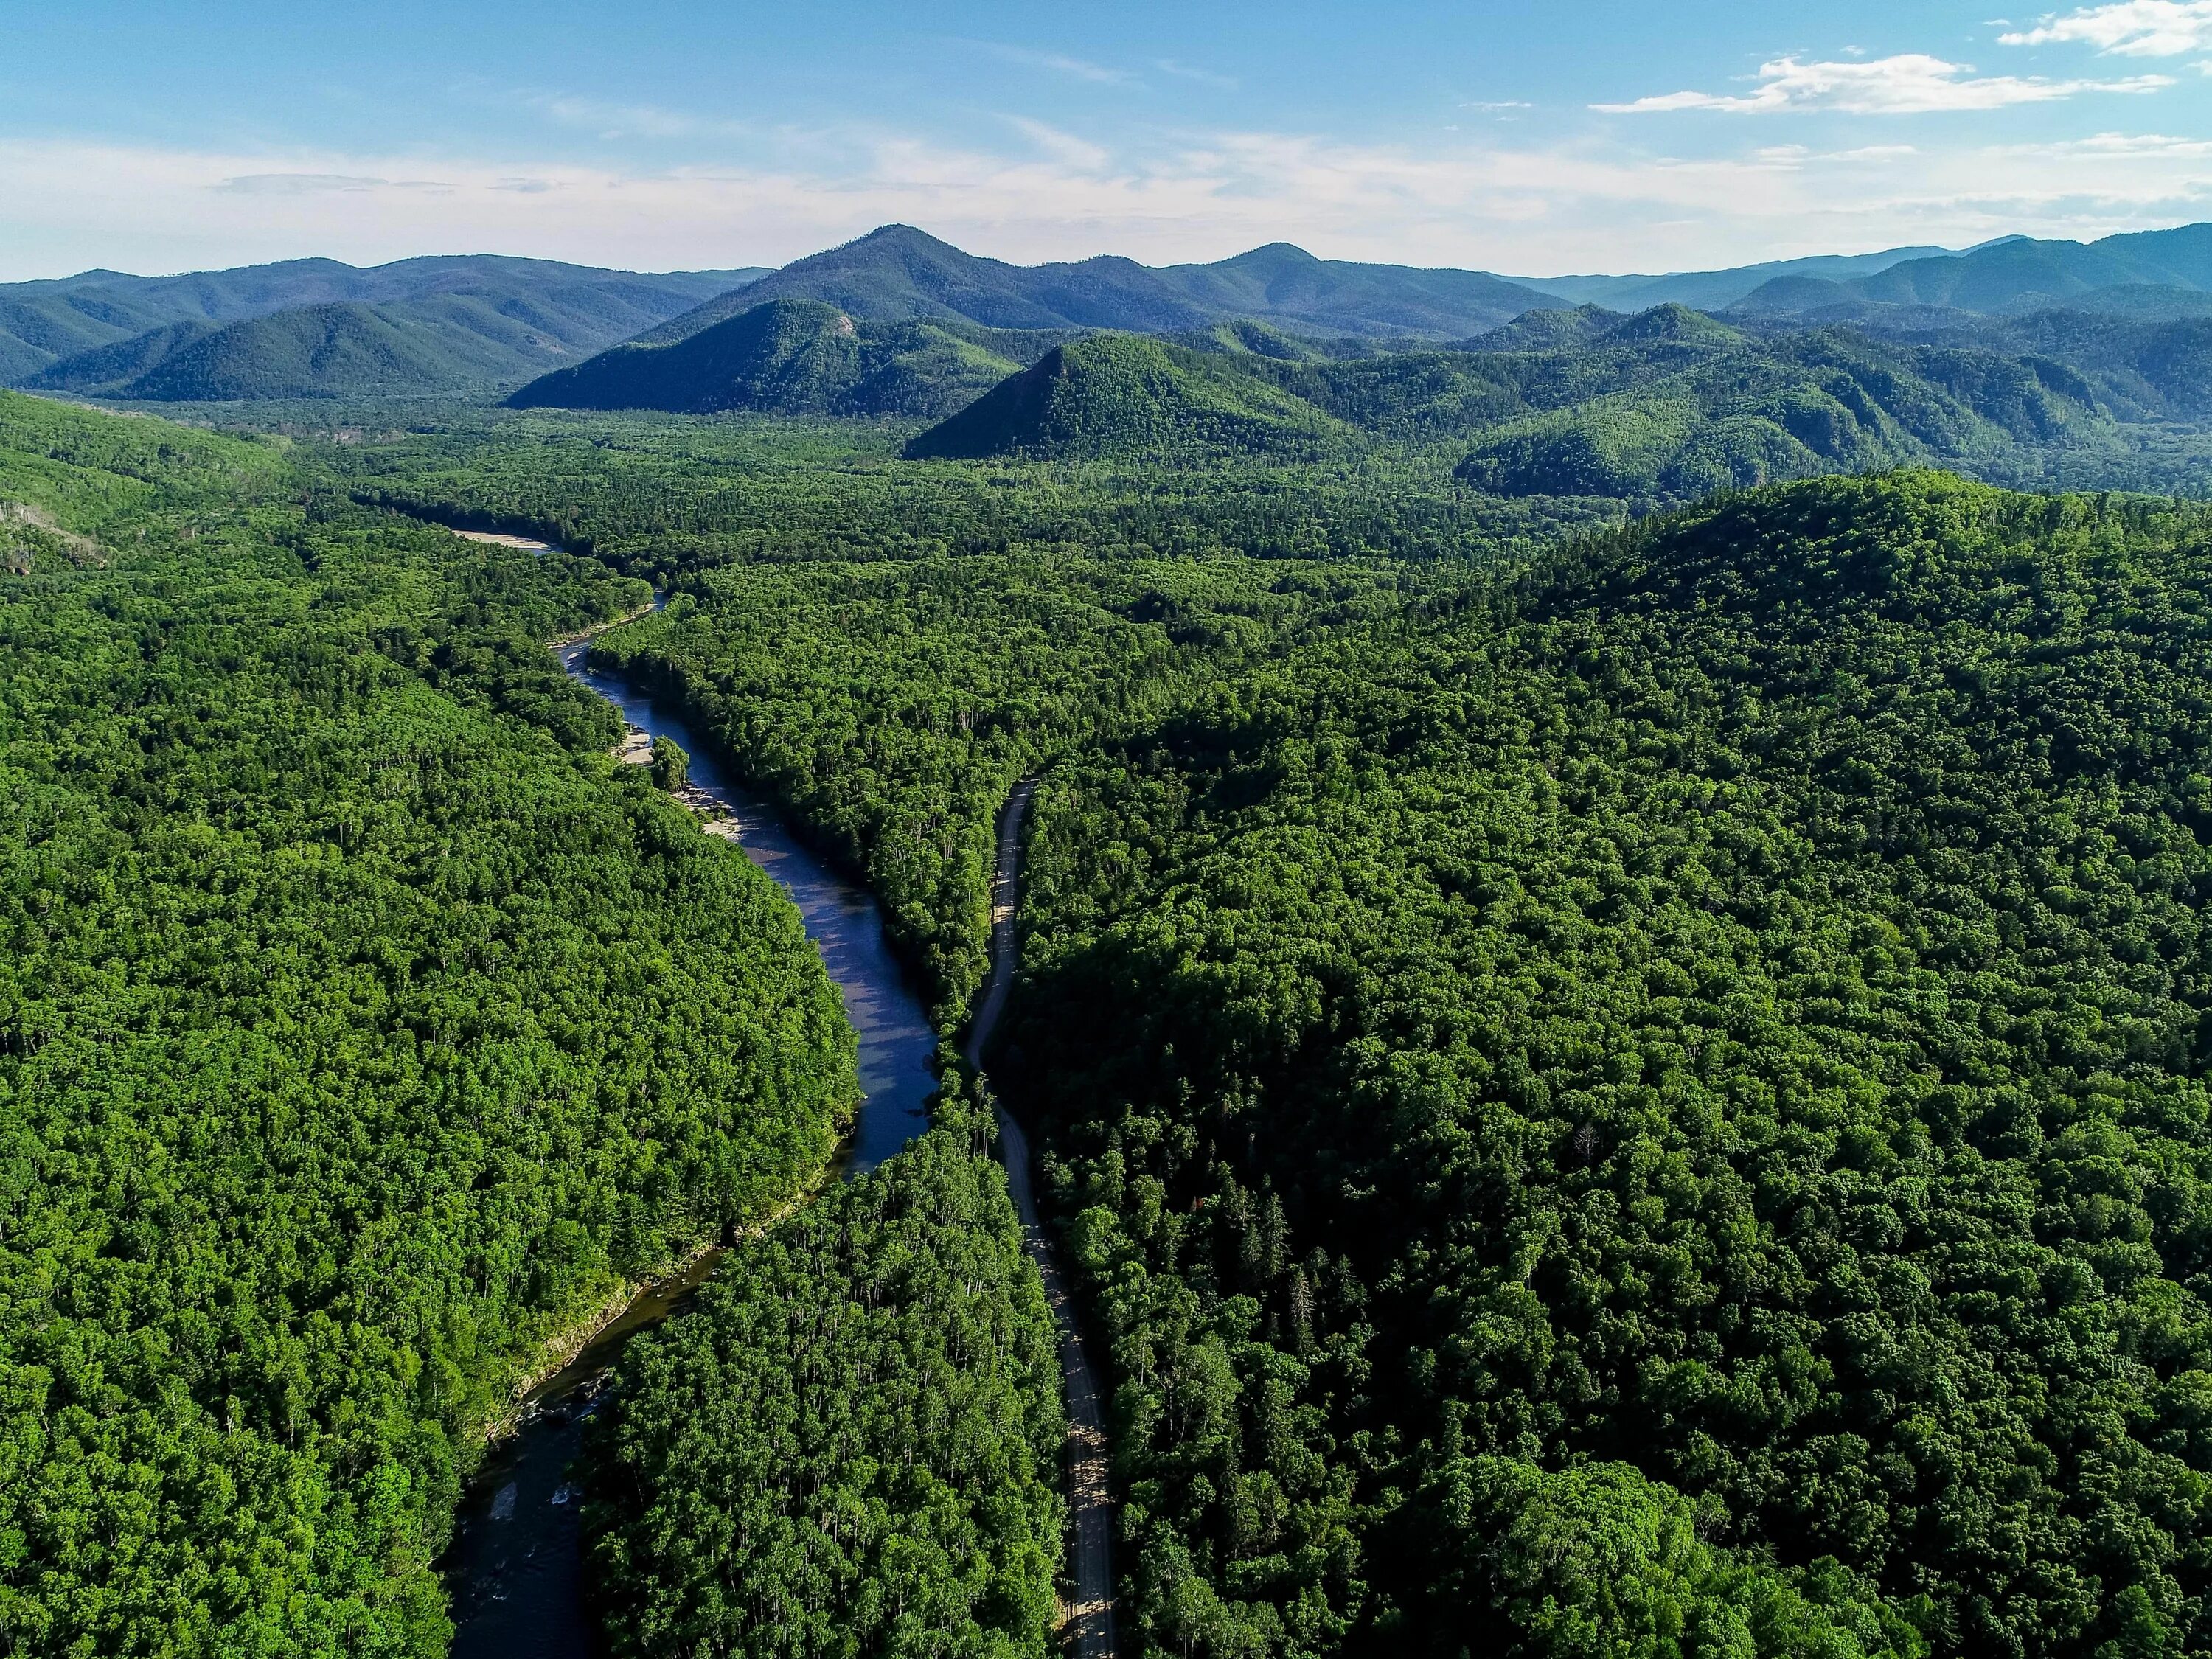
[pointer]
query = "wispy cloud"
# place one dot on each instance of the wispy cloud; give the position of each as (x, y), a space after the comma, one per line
(1910, 83)
(1058, 62)
(1505, 103)
(2120, 145)
(1457, 200)
(611, 120)
(1192, 72)
(1063, 146)
(319, 183)
(2132, 28)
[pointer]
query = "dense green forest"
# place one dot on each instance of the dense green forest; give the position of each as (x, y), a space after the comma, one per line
(659, 496)
(795, 357)
(1644, 1095)
(890, 705)
(1667, 1109)
(361, 1033)
(1614, 1080)
(854, 1446)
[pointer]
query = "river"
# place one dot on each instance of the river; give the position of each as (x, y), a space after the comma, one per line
(514, 1570)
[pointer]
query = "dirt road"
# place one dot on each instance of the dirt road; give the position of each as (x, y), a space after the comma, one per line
(1092, 1615)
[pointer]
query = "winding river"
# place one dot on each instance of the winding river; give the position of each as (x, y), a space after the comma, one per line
(514, 1570)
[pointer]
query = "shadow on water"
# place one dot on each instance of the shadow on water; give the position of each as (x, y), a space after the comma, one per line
(514, 1570)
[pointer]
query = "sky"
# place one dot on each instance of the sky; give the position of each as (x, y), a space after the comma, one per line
(1525, 139)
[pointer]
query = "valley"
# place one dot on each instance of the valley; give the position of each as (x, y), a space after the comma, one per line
(1279, 958)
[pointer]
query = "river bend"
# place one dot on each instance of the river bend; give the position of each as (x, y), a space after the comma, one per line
(514, 1570)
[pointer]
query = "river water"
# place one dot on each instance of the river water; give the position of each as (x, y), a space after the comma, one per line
(514, 1568)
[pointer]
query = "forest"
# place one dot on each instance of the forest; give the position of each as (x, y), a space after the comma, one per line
(1619, 1070)
(854, 1446)
(361, 1033)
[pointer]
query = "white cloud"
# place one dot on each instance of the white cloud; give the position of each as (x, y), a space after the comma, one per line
(1461, 200)
(305, 184)
(1064, 147)
(630, 120)
(1192, 72)
(2133, 28)
(1910, 83)
(1058, 62)
(2121, 144)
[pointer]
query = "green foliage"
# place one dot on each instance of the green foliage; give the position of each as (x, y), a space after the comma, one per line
(1787, 408)
(853, 1447)
(786, 357)
(671, 767)
(429, 323)
(1124, 395)
(358, 1038)
(890, 706)
(1733, 1012)
(1595, 1561)
(661, 496)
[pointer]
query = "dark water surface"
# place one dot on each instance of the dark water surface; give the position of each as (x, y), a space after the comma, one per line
(514, 1570)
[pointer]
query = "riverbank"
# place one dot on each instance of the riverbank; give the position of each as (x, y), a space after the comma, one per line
(514, 1570)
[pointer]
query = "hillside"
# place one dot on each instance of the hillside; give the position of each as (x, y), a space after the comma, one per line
(1124, 395)
(793, 357)
(1668, 405)
(450, 343)
(1790, 408)
(570, 309)
(1704, 1070)
(2018, 274)
(898, 273)
(1659, 1097)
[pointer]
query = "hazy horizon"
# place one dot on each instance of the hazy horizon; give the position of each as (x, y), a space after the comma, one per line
(1487, 136)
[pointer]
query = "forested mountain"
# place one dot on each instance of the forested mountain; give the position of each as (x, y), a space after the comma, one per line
(1671, 1108)
(796, 358)
(448, 325)
(1718, 291)
(1791, 407)
(450, 344)
(1126, 396)
(527, 314)
(2018, 274)
(362, 1032)
(898, 273)
(1666, 405)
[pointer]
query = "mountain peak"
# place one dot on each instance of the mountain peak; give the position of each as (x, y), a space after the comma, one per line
(1275, 253)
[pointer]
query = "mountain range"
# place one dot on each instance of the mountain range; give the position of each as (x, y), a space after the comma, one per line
(482, 324)
(308, 327)
(1668, 405)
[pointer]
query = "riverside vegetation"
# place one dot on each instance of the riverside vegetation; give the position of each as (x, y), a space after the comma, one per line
(1611, 1088)
(365, 1030)
(1641, 1098)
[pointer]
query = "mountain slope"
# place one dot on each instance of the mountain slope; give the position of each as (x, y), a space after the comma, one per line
(789, 357)
(2017, 275)
(582, 308)
(1823, 402)
(1125, 395)
(898, 273)
(1287, 285)
(313, 351)
(1715, 290)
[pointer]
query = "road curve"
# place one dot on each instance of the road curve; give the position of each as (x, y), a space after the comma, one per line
(1089, 1498)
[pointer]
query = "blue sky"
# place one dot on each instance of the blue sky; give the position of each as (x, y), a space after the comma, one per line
(1519, 138)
